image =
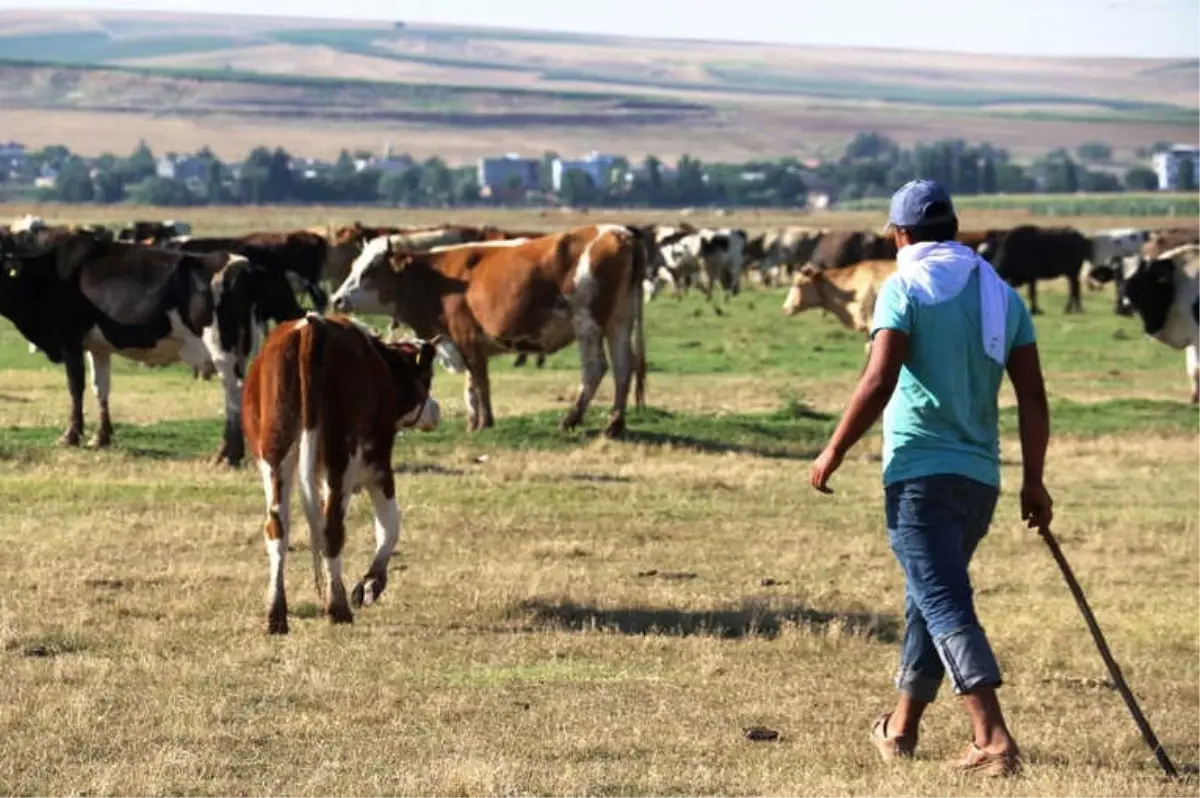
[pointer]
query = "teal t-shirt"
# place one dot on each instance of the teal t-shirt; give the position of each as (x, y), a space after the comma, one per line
(942, 418)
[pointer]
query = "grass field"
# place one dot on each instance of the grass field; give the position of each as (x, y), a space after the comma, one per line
(570, 615)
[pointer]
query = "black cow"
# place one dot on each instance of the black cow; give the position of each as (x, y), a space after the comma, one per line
(1029, 253)
(87, 296)
(1165, 294)
(302, 253)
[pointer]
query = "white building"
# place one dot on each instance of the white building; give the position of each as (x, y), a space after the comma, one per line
(1167, 166)
(596, 166)
(12, 154)
(496, 174)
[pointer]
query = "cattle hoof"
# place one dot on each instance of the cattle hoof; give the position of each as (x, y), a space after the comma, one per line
(366, 593)
(101, 440)
(277, 623)
(569, 423)
(70, 438)
(339, 613)
(615, 428)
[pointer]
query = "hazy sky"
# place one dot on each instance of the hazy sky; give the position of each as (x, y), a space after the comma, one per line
(1148, 28)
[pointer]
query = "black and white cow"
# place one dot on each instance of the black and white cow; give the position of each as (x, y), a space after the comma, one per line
(708, 257)
(1165, 294)
(84, 297)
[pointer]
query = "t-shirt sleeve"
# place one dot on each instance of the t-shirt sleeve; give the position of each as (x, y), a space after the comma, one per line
(1024, 333)
(893, 310)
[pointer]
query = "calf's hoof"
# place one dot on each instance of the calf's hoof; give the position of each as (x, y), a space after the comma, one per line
(70, 438)
(570, 421)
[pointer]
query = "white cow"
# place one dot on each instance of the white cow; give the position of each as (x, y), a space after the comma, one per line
(1109, 250)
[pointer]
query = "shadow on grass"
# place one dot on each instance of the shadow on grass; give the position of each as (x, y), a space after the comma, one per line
(731, 624)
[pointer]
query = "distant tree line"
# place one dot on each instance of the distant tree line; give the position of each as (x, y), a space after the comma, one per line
(871, 166)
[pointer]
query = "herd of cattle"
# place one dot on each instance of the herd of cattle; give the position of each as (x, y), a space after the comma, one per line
(155, 294)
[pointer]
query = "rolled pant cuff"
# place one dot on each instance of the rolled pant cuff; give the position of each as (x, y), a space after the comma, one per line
(968, 658)
(917, 687)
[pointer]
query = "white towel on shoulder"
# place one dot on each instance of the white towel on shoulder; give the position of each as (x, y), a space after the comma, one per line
(936, 271)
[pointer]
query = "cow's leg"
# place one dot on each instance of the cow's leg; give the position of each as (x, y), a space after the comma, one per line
(592, 362)
(482, 383)
(101, 367)
(192, 350)
(1075, 296)
(520, 361)
(620, 351)
(73, 362)
(310, 500)
(1033, 305)
(541, 360)
(471, 400)
(1193, 368)
(277, 487)
(387, 532)
(337, 496)
(233, 442)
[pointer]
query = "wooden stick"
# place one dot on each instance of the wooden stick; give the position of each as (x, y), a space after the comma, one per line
(1114, 670)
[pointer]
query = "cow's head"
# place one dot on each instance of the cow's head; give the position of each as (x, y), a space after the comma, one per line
(805, 292)
(1149, 292)
(411, 366)
(367, 288)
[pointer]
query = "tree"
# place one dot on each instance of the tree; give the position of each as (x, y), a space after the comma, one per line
(108, 187)
(437, 183)
(691, 181)
(1094, 152)
(1139, 178)
(578, 189)
(139, 165)
(74, 182)
(988, 183)
(1185, 174)
(869, 145)
(214, 185)
(162, 191)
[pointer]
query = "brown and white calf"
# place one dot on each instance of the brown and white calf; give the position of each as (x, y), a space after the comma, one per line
(323, 403)
(848, 293)
(524, 295)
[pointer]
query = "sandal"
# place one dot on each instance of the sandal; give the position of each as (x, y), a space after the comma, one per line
(977, 761)
(891, 747)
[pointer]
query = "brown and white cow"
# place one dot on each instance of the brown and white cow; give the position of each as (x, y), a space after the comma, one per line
(848, 293)
(87, 298)
(323, 403)
(523, 295)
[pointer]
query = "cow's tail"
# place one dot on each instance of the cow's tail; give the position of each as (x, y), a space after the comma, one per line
(637, 290)
(310, 364)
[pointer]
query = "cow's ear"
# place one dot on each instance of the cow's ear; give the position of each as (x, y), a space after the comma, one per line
(428, 352)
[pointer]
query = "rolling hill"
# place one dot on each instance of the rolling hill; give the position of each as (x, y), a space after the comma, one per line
(102, 80)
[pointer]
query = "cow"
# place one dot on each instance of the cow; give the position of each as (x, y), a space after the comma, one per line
(301, 253)
(526, 295)
(983, 242)
(788, 250)
(1168, 238)
(26, 224)
(1165, 294)
(840, 248)
(154, 233)
(713, 257)
(323, 403)
(1029, 253)
(83, 298)
(849, 293)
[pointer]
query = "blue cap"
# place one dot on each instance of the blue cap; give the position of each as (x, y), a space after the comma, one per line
(919, 203)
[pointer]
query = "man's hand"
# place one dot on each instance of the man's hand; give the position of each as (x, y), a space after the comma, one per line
(1036, 506)
(823, 468)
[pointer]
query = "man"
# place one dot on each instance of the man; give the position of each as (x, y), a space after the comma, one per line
(945, 329)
